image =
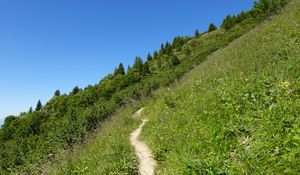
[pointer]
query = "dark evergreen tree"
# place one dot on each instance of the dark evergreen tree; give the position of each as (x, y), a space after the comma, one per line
(116, 71)
(146, 69)
(227, 22)
(128, 68)
(138, 65)
(39, 106)
(75, 90)
(212, 27)
(30, 110)
(197, 34)
(162, 49)
(120, 70)
(155, 55)
(178, 43)
(168, 48)
(240, 17)
(57, 93)
(149, 57)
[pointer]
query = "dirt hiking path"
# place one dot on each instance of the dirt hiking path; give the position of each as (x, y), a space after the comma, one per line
(147, 163)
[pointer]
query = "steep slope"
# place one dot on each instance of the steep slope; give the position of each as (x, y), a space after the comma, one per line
(107, 152)
(199, 126)
(55, 135)
(238, 112)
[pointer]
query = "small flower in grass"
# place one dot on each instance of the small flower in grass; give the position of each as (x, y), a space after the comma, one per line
(285, 84)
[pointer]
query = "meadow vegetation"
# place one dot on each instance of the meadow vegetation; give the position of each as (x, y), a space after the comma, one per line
(108, 152)
(238, 112)
(38, 137)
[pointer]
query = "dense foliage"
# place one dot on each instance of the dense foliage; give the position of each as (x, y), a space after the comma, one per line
(36, 136)
(261, 9)
(237, 113)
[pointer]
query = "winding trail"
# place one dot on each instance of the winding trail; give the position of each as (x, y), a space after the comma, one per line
(147, 163)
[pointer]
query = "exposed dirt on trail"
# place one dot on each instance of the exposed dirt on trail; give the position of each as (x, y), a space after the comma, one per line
(147, 163)
(138, 113)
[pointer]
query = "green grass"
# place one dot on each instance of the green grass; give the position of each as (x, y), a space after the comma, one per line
(107, 152)
(238, 112)
(234, 113)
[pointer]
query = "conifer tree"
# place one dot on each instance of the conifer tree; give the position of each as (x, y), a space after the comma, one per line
(57, 93)
(146, 69)
(162, 49)
(168, 48)
(75, 90)
(197, 34)
(149, 57)
(120, 70)
(212, 27)
(30, 110)
(116, 71)
(227, 22)
(177, 43)
(39, 106)
(155, 55)
(138, 64)
(128, 68)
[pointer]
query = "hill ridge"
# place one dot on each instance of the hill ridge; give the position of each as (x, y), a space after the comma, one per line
(66, 119)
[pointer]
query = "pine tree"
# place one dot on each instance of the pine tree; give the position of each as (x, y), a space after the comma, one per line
(57, 93)
(128, 68)
(239, 17)
(155, 55)
(227, 22)
(178, 43)
(39, 106)
(162, 49)
(116, 71)
(197, 34)
(146, 69)
(120, 70)
(168, 48)
(212, 27)
(30, 110)
(149, 57)
(75, 90)
(138, 64)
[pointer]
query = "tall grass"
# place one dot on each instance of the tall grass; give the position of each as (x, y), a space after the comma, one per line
(225, 116)
(238, 112)
(107, 152)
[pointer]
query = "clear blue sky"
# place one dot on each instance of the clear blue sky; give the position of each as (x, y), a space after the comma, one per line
(57, 44)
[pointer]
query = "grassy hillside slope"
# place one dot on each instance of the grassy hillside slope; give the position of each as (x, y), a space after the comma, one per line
(53, 135)
(225, 116)
(238, 112)
(107, 152)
